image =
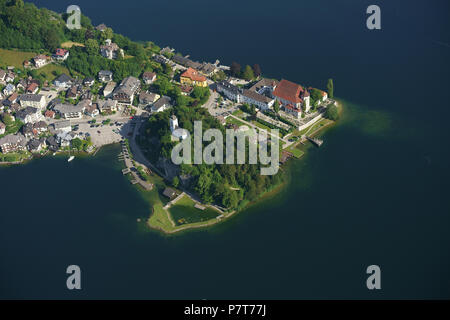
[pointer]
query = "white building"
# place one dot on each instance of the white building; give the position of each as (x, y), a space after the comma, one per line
(32, 100)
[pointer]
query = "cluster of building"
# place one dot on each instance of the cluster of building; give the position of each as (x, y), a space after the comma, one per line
(42, 60)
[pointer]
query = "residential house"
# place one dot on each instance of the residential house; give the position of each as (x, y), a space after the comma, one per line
(28, 131)
(21, 85)
(40, 127)
(229, 90)
(14, 107)
(69, 111)
(2, 76)
(262, 102)
(160, 59)
(11, 99)
(9, 89)
(32, 88)
(110, 50)
(64, 138)
(32, 100)
(101, 27)
(63, 126)
(207, 69)
(162, 104)
(92, 110)
(73, 92)
(124, 93)
(88, 82)
(41, 60)
(109, 89)
(147, 98)
(49, 114)
(29, 115)
(60, 54)
(53, 145)
(105, 76)
(12, 143)
(192, 77)
(149, 77)
(10, 76)
(2, 128)
(265, 86)
(63, 81)
(36, 145)
(292, 110)
(169, 193)
(290, 93)
(108, 106)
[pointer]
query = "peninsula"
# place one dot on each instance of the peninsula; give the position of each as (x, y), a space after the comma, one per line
(66, 91)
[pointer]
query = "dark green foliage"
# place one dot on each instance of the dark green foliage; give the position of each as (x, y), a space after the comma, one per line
(332, 113)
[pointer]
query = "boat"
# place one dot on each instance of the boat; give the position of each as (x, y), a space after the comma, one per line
(71, 159)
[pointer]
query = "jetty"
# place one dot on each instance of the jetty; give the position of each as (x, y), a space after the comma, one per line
(315, 141)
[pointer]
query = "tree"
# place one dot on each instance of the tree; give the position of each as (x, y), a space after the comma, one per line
(330, 88)
(175, 182)
(276, 106)
(107, 34)
(256, 70)
(235, 69)
(92, 47)
(248, 73)
(332, 113)
(77, 144)
(51, 39)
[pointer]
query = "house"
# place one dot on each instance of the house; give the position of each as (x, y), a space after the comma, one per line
(41, 60)
(12, 99)
(290, 93)
(27, 64)
(29, 115)
(84, 104)
(52, 144)
(110, 50)
(49, 114)
(108, 106)
(265, 86)
(229, 90)
(69, 111)
(292, 110)
(32, 88)
(88, 82)
(149, 77)
(63, 81)
(63, 126)
(64, 138)
(40, 126)
(60, 54)
(147, 98)
(162, 104)
(32, 100)
(2, 128)
(207, 69)
(169, 193)
(160, 59)
(28, 131)
(36, 145)
(254, 98)
(124, 93)
(9, 89)
(73, 92)
(105, 76)
(10, 76)
(14, 107)
(101, 27)
(2, 76)
(109, 89)
(12, 143)
(21, 85)
(92, 110)
(186, 90)
(192, 77)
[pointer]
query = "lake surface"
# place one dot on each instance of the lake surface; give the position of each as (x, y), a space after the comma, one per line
(375, 193)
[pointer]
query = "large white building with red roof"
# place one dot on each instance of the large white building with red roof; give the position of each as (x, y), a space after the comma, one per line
(290, 93)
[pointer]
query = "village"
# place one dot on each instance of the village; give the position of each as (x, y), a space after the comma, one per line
(85, 113)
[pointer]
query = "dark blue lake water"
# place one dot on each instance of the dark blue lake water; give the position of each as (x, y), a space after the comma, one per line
(375, 193)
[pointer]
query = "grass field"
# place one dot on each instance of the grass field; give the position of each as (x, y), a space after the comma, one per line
(184, 212)
(295, 151)
(15, 58)
(48, 70)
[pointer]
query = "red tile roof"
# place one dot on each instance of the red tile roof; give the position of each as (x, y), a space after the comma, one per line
(193, 75)
(32, 86)
(61, 52)
(289, 91)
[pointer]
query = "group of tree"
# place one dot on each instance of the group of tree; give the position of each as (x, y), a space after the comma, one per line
(248, 73)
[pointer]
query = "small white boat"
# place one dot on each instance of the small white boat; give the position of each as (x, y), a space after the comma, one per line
(71, 158)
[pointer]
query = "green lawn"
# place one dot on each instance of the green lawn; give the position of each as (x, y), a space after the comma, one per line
(184, 212)
(295, 151)
(15, 58)
(50, 68)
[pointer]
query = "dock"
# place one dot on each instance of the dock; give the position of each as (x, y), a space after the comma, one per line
(315, 141)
